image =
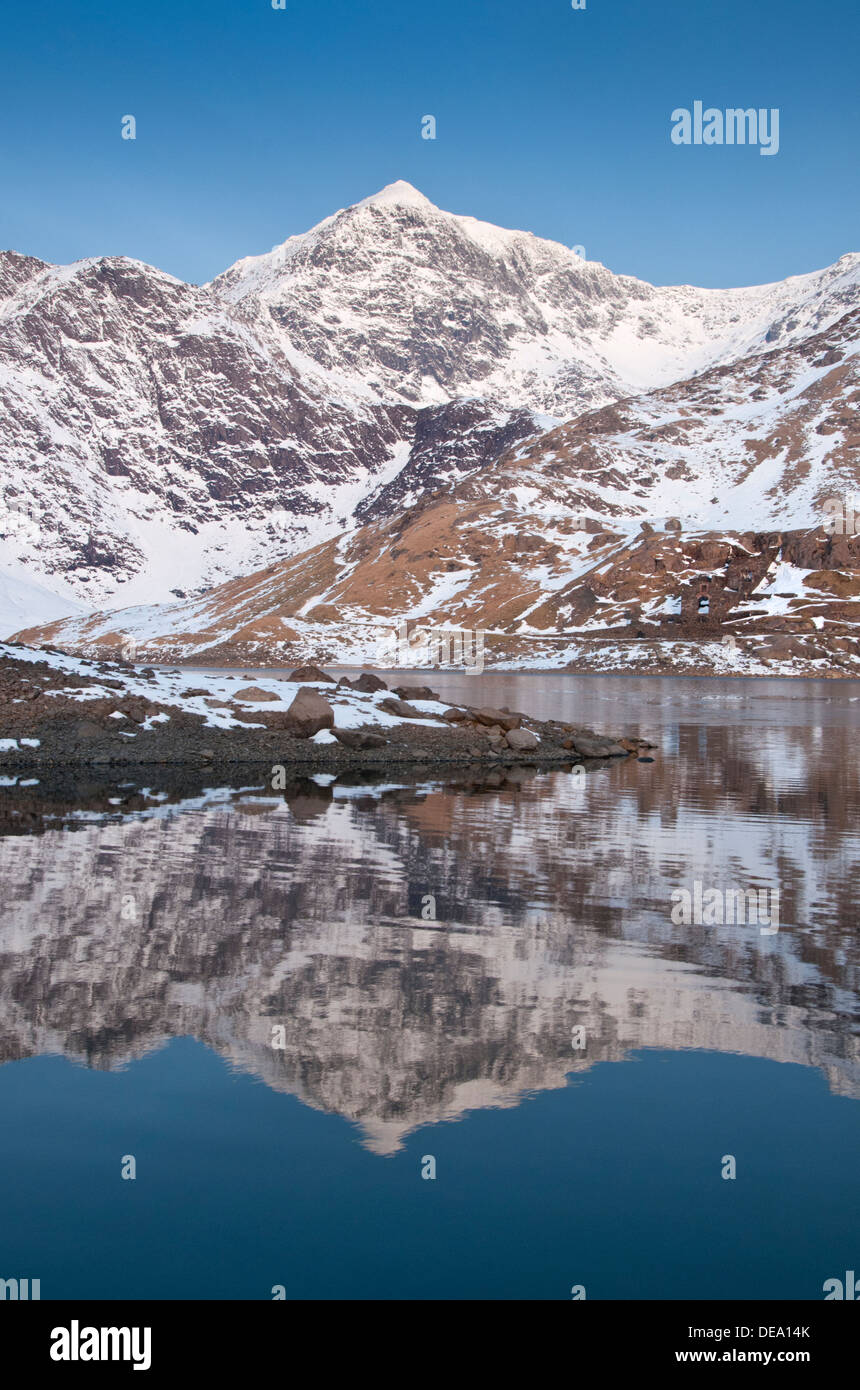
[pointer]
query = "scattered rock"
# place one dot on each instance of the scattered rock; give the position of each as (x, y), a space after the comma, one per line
(309, 713)
(310, 673)
(360, 739)
(415, 692)
(497, 716)
(244, 716)
(522, 740)
(786, 646)
(254, 694)
(83, 730)
(137, 708)
(401, 708)
(597, 747)
(368, 683)
(76, 729)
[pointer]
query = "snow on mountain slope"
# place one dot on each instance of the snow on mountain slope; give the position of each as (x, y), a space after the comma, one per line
(159, 438)
(149, 437)
(419, 304)
(22, 601)
(613, 521)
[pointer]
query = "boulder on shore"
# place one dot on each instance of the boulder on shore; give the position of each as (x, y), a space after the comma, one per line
(254, 694)
(596, 747)
(360, 739)
(137, 708)
(502, 717)
(310, 673)
(366, 684)
(522, 740)
(415, 692)
(401, 708)
(309, 713)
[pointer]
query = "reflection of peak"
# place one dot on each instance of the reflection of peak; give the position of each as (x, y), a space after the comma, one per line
(243, 921)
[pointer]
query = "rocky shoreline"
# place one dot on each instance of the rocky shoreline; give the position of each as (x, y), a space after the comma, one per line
(58, 710)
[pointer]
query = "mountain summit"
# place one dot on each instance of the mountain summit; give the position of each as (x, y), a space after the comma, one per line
(398, 194)
(396, 298)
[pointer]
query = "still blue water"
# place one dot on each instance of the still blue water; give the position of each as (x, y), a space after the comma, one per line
(150, 943)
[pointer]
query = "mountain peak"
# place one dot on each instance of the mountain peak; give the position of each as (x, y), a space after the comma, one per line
(397, 194)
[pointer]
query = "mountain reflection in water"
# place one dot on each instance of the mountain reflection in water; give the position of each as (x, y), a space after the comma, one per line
(132, 919)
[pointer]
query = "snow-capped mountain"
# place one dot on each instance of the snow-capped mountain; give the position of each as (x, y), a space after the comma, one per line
(406, 302)
(159, 438)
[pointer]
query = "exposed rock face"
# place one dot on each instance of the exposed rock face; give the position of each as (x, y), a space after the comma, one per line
(450, 441)
(121, 383)
(309, 713)
(545, 549)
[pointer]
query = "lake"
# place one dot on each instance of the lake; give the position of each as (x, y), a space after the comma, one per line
(445, 1036)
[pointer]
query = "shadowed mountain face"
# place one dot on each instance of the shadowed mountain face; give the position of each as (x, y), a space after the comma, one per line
(157, 914)
(696, 511)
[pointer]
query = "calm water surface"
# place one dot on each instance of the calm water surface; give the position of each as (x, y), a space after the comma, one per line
(153, 935)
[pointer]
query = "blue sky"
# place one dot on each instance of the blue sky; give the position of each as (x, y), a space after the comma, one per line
(254, 123)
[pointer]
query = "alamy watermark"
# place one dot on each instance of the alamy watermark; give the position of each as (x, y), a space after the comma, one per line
(712, 907)
(23, 1289)
(735, 126)
(837, 1289)
(842, 515)
(432, 646)
(76, 1343)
